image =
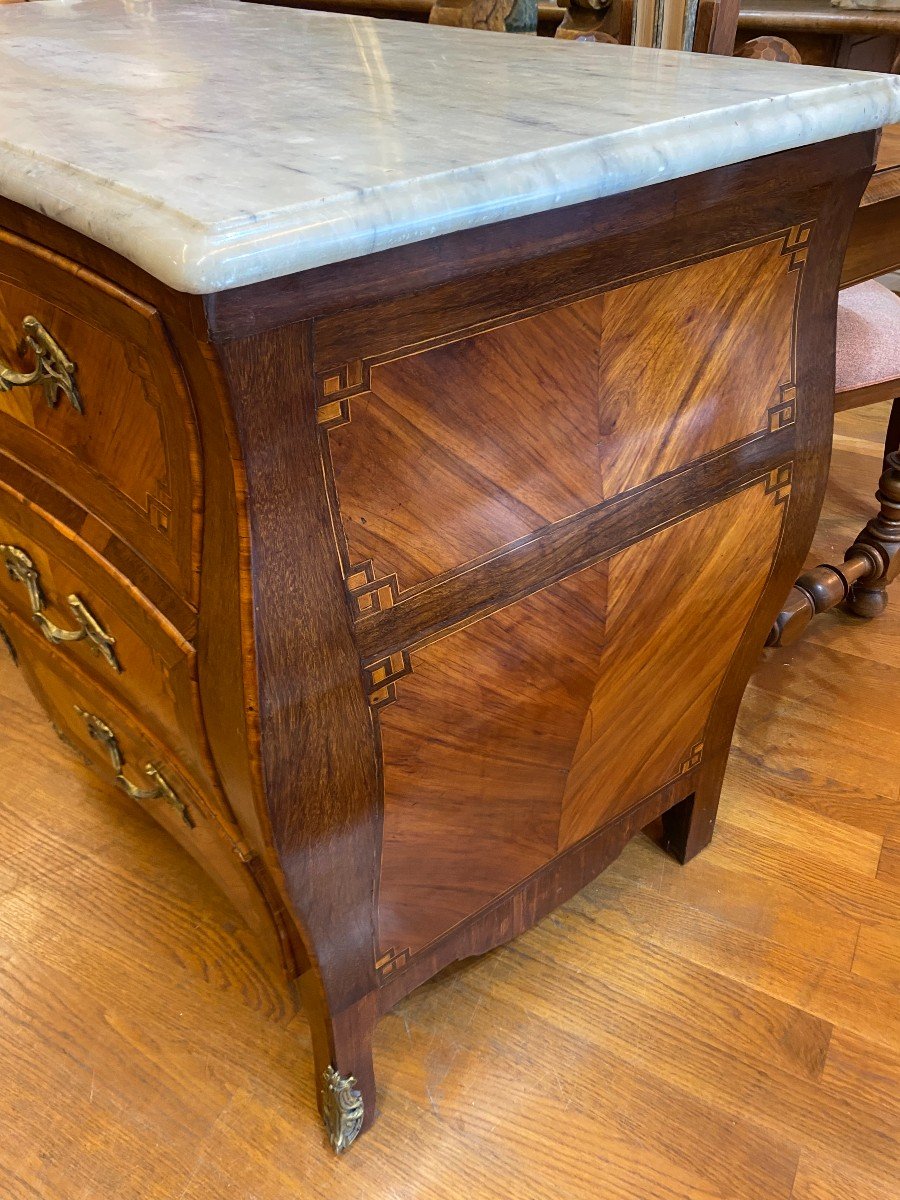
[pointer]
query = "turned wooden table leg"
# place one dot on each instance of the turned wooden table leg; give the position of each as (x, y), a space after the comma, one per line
(871, 563)
(892, 437)
(868, 597)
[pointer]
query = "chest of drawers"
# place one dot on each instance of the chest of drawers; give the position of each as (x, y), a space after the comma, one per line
(403, 617)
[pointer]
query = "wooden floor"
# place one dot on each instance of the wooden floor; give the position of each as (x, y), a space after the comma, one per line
(725, 1031)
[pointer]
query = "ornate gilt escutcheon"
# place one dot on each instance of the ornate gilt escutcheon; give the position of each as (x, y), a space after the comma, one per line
(22, 570)
(342, 1108)
(54, 371)
(102, 733)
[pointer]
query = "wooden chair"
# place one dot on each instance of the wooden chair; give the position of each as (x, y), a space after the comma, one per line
(868, 372)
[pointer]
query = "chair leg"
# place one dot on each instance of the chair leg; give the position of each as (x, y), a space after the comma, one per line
(868, 596)
(870, 564)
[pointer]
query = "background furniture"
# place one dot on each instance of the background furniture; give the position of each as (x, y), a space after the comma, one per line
(868, 372)
(823, 35)
(874, 245)
(866, 40)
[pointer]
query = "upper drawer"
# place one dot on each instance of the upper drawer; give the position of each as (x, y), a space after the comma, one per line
(107, 418)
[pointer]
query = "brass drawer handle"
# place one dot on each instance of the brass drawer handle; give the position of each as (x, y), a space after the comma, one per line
(102, 733)
(22, 570)
(53, 369)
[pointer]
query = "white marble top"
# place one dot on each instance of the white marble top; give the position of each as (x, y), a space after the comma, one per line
(217, 143)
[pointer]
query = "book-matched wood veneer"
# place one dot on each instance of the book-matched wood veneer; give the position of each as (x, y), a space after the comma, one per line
(490, 531)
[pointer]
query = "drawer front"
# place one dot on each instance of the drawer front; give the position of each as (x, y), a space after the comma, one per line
(131, 759)
(56, 583)
(92, 398)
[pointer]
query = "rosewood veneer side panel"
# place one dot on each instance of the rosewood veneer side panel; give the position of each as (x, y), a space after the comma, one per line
(677, 606)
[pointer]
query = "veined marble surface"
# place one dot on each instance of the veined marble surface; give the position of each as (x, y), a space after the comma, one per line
(217, 143)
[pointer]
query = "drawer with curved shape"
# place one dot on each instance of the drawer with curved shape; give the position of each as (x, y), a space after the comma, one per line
(93, 399)
(99, 729)
(99, 622)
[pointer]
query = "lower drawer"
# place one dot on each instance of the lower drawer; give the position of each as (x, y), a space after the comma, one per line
(104, 626)
(126, 754)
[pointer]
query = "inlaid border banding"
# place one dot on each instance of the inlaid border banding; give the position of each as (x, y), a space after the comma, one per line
(553, 552)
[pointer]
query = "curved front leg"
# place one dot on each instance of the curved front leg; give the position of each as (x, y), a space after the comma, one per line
(316, 754)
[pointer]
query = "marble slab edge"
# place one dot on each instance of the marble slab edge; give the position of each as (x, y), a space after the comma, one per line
(195, 258)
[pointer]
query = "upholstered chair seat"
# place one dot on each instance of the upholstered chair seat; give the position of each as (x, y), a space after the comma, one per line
(868, 338)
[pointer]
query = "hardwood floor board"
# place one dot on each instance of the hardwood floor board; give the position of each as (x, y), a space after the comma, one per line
(55, 899)
(753, 903)
(818, 676)
(475, 1142)
(629, 907)
(864, 1072)
(855, 898)
(62, 1047)
(821, 1178)
(220, 954)
(875, 641)
(788, 1103)
(889, 863)
(725, 1031)
(840, 769)
(829, 842)
(537, 1061)
(671, 996)
(878, 954)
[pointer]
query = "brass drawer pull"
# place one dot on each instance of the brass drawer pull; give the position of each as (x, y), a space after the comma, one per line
(102, 733)
(53, 369)
(22, 570)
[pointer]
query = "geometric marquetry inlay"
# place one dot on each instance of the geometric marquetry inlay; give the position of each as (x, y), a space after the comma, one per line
(445, 455)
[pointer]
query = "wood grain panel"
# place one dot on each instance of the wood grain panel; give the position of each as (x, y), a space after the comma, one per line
(503, 704)
(515, 737)
(455, 451)
(648, 711)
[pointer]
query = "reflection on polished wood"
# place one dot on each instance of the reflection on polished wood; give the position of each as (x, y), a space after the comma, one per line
(729, 1030)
